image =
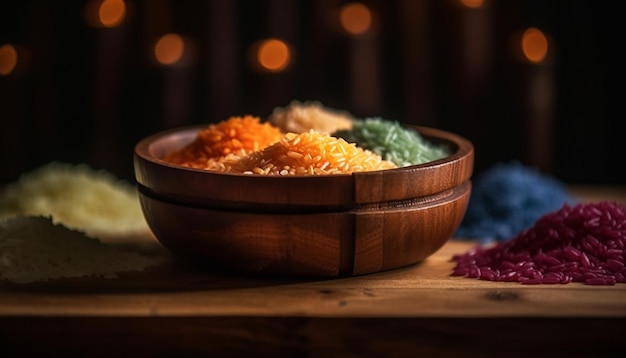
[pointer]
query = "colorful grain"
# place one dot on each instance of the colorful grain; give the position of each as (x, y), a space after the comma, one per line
(583, 243)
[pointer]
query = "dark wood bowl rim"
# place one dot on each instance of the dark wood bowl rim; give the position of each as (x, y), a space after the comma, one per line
(344, 191)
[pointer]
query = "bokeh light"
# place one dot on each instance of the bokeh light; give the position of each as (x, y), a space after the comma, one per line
(534, 44)
(169, 49)
(355, 18)
(273, 55)
(473, 4)
(112, 12)
(8, 59)
(105, 13)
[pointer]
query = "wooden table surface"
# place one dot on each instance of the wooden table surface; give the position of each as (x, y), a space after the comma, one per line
(179, 310)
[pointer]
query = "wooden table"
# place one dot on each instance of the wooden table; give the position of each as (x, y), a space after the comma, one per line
(178, 310)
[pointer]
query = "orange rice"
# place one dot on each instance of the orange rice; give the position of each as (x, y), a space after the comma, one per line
(226, 141)
(310, 153)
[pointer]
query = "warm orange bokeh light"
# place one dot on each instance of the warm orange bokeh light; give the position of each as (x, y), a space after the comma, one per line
(105, 13)
(534, 45)
(111, 13)
(169, 49)
(474, 4)
(355, 18)
(8, 59)
(273, 55)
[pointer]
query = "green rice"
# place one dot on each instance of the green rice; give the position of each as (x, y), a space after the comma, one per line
(393, 142)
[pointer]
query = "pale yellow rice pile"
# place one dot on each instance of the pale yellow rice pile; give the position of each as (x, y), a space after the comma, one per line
(81, 198)
(300, 117)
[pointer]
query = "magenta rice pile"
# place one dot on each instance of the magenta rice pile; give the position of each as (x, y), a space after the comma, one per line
(582, 243)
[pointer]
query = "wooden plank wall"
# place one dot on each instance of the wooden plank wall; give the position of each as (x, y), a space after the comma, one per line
(84, 94)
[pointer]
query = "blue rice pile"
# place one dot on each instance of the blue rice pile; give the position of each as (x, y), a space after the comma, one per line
(507, 198)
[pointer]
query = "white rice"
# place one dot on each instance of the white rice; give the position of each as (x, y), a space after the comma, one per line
(300, 117)
(77, 196)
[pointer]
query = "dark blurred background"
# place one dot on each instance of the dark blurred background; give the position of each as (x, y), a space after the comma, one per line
(82, 81)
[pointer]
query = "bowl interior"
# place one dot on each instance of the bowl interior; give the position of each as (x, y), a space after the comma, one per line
(301, 193)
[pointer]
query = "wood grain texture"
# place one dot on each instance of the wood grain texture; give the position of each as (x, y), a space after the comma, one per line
(317, 226)
(258, 192)
(422, 290)
(320, 244)
(182, 310)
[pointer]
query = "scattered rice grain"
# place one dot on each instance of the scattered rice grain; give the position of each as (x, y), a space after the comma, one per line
(34, 249)
(542, 254)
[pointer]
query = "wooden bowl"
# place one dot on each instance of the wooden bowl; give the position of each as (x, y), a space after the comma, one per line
(325, 226)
